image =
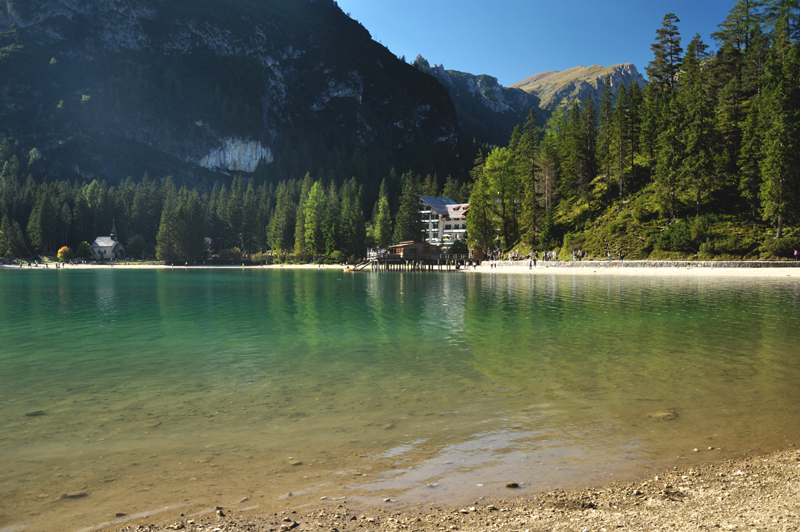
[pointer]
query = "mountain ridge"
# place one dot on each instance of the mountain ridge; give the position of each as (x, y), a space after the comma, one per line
(557, 87)
(205, 90)
(487, 111)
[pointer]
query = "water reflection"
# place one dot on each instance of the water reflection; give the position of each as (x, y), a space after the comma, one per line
(447, 379)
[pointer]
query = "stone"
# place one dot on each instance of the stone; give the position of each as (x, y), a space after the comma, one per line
(512, 485)
(36, 413)
(667, 415)
(120, 514)
(75, 495)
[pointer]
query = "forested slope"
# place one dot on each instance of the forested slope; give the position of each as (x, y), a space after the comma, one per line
(704, 162)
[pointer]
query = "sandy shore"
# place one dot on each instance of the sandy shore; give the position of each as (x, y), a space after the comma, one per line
(645, 269)
(753, 493)
(584, 268)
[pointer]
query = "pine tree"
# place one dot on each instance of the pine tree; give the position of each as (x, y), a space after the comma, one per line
(281, 226)
(780, 167)
(696, 135)
(667, 55)
(668, 159)
(383, 219)
(605, 134)
(527, 162)
(408, 222)
(620, 143)
(480, 226)
(353, 227)
(749, 158)
(314, 218)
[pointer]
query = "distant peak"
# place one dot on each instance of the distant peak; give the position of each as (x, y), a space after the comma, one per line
(421, 62)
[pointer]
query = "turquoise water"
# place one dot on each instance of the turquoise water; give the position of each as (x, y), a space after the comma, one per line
(133, 391)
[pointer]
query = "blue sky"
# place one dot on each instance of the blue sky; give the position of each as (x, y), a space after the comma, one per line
(514, 39)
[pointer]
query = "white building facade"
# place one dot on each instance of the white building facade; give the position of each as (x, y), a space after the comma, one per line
(443, 220)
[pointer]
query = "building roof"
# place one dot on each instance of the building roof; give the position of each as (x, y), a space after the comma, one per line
(104, 242)
(438, 204)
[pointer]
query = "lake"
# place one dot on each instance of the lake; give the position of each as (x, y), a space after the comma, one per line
(125, 392)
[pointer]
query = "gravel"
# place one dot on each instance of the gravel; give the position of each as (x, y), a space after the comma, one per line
(753, 493)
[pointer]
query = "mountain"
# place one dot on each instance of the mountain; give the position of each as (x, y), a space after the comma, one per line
(206, 89)
(558, 87)
(487, 111)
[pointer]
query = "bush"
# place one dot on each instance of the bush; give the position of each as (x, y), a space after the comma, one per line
(731, 246)
(676, 237)
(83, 251)
(65, 254)
(781, 248)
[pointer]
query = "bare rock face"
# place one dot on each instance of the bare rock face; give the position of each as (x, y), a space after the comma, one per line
(498, 108)
(121, 86)
(236, 155)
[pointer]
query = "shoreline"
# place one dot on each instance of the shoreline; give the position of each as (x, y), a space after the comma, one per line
(756, 269)
(754, 492)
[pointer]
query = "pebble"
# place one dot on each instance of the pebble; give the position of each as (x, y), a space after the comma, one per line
(293, 462)
(75, 495)
(668, 415)
(120, 514)
(37, 413)
(387, 500)
(512, 485)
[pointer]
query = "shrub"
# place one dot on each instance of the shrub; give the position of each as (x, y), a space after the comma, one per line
(781, 247)
(676, 237)
(83, 251)
(65, 254)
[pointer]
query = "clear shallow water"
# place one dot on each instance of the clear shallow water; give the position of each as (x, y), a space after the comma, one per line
(197, 388)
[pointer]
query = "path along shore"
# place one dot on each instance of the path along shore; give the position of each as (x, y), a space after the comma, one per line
(763, 269)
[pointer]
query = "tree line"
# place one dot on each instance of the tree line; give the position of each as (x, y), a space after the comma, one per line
(299, 220)
(711, 133)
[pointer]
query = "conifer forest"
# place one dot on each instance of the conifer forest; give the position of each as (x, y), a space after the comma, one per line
(703, 162)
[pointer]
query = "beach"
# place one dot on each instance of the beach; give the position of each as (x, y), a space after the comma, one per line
(753, 493)
(754, 269)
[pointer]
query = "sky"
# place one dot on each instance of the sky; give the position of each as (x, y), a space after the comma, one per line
(514, 39)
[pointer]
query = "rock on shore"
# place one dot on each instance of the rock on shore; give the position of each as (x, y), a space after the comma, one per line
(754, 493)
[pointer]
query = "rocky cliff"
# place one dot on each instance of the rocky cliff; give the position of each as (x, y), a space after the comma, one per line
(200, 89)
(487, 111)
(557, 88)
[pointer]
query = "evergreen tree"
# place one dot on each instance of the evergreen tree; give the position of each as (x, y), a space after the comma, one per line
(605, 135)
(667, 55)
(12, 240)
(314, 220)
(480, 224)
(408, 222)
(281, 226)
(383, 219)
(353, 226)
(620, 141)
(749, 158)
(527, 163)
(781, 164)
(697, 134)
(668, 160)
